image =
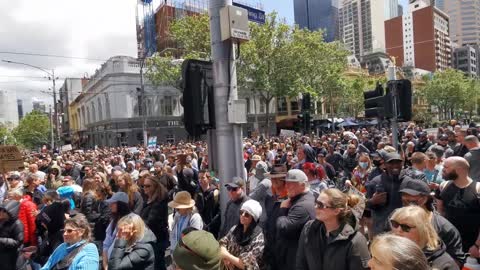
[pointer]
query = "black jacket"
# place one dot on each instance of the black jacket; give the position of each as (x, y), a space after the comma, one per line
(11, 236)
(440, 260)
(138, 257)
(208, 207)
(348, 250)
(289, 226)
(450, 236)
(232, 215)
(87, 207)
(155, 215)
(100, 227)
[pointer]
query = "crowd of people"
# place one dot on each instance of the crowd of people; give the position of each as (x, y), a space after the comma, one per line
(345, 200)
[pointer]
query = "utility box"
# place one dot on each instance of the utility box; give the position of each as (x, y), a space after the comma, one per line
(237, 111)
(234, 24)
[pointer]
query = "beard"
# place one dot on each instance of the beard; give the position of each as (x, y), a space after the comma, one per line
(451, 176)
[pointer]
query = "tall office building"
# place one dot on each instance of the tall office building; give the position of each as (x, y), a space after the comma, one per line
(464, 21)
(466, 59)
(20, 109)
(9, 111)
(420, 38)
(440, 4)
(391, 9)
(361, 26)
(317, 14)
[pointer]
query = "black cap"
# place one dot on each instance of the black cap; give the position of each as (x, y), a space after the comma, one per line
(237, 182)
(414, 187)
(443, 137)
(392, 157)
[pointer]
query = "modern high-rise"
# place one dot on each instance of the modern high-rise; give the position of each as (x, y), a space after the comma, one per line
(466, 59)
(420, 38)
(317, 14)
(9, 111)
(440, 4)
(464, 21)
(20, 109)
(391, 9)
(361, 26)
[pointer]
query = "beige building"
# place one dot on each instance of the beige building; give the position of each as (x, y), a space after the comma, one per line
(464, 21)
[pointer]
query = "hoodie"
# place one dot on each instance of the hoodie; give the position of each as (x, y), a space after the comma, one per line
(138, 256)
(11, 236)
(473, 157)
(310, 156)
(439, 259)
(58, 179)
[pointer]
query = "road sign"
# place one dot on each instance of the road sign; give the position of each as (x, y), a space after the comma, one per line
(254, 15)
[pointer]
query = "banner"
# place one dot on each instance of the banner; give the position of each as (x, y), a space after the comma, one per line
(67, 147)
(10, 158)
(152, 142)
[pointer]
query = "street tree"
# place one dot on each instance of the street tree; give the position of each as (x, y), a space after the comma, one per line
(447, 91)
(6, 136)
(33, 130)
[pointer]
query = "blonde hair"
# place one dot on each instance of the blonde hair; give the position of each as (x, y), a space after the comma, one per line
(138, 227)
(400, 252)
(418, 217)
(339, 200)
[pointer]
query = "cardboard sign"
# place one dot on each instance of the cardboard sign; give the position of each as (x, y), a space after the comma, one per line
(67, 147)
(287, 133)
(133, 150)
(10, 159)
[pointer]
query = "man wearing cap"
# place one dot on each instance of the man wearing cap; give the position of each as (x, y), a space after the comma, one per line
(263, 190)
(443, 142)
(237, 195)
(417, 192)
(71, 170)
(252, 179)
(294, 213)
(382, 192)
(423, 143)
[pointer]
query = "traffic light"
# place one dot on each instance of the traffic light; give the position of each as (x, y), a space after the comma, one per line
(197, 99)
(403, 90)
(300, 122)
(374, 102)
(306, 102)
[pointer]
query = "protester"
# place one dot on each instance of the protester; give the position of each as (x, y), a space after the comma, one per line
(297, 210)
(243, 246)
(473, 156)
(208, 203)
(77, 252)
(263, 190)
(155, 216)
(332, 240)
(26, 215)
(360, 173)
(11, 234)
(135, 200)
(237, 196)
(133, 246)
(414, 223)
(391, 252)
(197, 250)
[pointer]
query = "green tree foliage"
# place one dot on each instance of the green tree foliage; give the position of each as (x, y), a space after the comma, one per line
(33, 130)
(192, 35)
(450, 91)
(6, 136)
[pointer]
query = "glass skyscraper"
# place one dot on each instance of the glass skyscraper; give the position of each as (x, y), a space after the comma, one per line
(317, 14)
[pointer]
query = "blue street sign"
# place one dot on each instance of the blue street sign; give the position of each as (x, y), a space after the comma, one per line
(254, 15)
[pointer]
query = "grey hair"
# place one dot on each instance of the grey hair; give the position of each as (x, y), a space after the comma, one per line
(403, 253)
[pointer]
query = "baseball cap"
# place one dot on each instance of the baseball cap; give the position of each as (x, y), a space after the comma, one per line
(237, 182)
(392, 157)
(414, 187)
(118, 197)
(296, 175)
(443, 137)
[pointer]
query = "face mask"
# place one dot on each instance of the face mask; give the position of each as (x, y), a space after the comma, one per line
(363, 165)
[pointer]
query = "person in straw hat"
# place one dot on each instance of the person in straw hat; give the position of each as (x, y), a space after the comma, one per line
(185, 216)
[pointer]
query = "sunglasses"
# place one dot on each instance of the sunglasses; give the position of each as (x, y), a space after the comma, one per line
(234, 189)
(404, 227)
(68, 230)
(147, 186)
(320, 205)
(245, 213)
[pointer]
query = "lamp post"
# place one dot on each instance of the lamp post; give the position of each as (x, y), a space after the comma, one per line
(51, 75)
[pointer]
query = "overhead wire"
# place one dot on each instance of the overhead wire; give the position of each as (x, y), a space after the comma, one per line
(52, 55)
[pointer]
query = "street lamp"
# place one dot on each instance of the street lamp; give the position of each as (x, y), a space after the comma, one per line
(51, 76)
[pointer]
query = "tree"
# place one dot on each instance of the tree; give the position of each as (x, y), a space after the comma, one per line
(33, 130)
(6, 136)
(448, 92)
(192, 36)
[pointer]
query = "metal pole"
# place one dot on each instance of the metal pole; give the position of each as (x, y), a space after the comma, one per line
(392, 76)
(229, 156)
(144, 105)
(52, 141)
(55, 109)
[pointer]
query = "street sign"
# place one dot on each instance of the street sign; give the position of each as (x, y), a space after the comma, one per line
(254, 15)
(10, 159)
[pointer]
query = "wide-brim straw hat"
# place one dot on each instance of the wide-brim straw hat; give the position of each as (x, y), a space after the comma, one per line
(182, 200)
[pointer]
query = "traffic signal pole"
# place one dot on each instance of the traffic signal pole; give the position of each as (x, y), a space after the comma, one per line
(394, 124)
(227, 153)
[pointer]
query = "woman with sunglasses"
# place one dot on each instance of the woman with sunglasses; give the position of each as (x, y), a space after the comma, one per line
(155, 215)
(76, 252)
(242, 248)
(392, 252)
(133, 247)
(332, 240)
(413, 222)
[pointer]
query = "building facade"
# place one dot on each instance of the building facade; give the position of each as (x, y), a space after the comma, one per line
(464, 21)
(420, 38)
(9, 111)
(318, 14)
(391, 9)
(20, 109)
(361, 26)
(466, 59)
(108, 111)
(70, 90)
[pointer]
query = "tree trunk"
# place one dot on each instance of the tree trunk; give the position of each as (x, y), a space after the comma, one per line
(267, 115)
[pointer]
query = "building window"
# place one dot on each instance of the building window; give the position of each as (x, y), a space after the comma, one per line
(166, 103)
(248, 105)
(100, 113)
(282, 105)
(262, 105)
(294, 105)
